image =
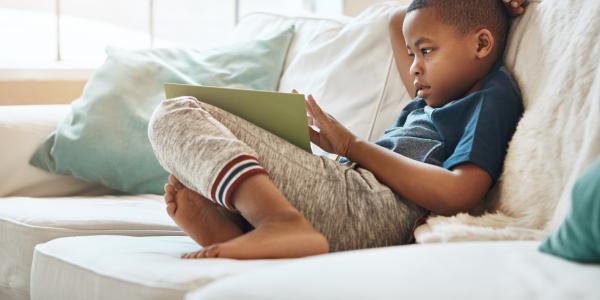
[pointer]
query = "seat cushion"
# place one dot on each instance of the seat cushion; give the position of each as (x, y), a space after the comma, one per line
(482, 270)
(26, 222)
(119, 267)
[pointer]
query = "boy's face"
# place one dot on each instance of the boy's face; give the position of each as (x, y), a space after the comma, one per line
(444, 65)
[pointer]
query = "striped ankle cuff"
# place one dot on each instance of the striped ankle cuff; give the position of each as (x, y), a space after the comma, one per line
(231, 176)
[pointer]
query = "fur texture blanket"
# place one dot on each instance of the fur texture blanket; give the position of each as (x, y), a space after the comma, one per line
(554, 53)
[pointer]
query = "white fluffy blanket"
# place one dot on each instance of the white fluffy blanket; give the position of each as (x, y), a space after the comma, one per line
(554, 53)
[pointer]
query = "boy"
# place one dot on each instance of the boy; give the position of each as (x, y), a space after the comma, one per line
(443, 154)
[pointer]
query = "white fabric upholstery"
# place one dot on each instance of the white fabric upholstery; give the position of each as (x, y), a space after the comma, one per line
(348, 71)
(132, 268)
(27, 126)
(25, 222)
(553, 53)
(346, 64)
(483, 270)
(22, 129)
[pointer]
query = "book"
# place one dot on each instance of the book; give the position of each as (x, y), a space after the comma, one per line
(283, 114)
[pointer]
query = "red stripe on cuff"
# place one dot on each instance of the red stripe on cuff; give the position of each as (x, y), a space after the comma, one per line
(235, 184)
(223, 172)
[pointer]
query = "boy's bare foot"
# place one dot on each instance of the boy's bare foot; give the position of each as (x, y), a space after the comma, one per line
(197, 216)
(283, 236)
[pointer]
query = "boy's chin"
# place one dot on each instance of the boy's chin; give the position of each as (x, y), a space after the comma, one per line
(434, 103)
(424, 93)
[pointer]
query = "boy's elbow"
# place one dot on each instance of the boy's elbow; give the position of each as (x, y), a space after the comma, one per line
(463, 195)
(397, 18)
(454, 191)
(458, 205)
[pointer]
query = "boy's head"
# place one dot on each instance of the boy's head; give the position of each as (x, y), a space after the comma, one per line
(454, 44)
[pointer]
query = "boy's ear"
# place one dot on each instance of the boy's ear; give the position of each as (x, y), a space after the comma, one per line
(485, 43)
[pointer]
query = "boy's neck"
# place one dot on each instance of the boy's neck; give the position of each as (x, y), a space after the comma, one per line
(479, 83)
(476, 87)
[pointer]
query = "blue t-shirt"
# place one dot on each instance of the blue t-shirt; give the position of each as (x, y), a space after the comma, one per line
(474, 129)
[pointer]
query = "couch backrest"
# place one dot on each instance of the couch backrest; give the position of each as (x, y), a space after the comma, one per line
(347, 64)
(553, 52)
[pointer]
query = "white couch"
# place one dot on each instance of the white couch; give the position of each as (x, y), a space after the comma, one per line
(91, 245)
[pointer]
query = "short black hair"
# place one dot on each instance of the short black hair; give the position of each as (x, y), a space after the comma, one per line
(469, 15)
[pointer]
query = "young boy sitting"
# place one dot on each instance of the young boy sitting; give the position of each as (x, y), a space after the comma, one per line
(242, 192)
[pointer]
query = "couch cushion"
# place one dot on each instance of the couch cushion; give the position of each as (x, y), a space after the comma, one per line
(484, 270)
(25, 222)
(132, 268)
(26, 126)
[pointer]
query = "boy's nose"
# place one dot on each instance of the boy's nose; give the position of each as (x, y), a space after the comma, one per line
(415, 68)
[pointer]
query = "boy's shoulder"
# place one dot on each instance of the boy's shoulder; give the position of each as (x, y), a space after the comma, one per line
(500, 80)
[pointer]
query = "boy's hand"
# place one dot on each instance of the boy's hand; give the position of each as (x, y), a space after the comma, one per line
(332, 136)
(515, 7)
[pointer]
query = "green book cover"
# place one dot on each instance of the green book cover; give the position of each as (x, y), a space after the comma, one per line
(283, 114)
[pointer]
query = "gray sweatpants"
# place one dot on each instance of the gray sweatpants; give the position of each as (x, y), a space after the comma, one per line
(211, 151)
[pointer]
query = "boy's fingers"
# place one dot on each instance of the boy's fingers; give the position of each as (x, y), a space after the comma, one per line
(310, 108)
(317, 112)
(513, 3)
(515, 7)
(309, 111)
(314, 135)
(520, 11)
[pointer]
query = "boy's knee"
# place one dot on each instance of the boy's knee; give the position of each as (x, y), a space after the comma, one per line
(166, 113)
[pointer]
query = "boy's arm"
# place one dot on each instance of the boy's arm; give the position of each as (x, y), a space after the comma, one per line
(442, 191)
(401, 57)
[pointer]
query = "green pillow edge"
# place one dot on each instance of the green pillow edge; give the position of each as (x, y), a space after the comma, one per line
(575, 238)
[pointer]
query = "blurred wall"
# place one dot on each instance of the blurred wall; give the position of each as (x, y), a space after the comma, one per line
(354, 7)
(48, 89)
(15, 92)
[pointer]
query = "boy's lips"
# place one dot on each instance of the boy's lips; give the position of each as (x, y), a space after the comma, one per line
(422, 90)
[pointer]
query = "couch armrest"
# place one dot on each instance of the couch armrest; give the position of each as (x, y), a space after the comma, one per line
(22, 129)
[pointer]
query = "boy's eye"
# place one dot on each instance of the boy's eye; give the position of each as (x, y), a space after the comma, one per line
(426, 51)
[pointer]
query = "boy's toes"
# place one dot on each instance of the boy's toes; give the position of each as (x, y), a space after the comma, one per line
(169, 193)
(191, 255)
(212, 251)
(175, 182)
(170, 200)
(171, 208)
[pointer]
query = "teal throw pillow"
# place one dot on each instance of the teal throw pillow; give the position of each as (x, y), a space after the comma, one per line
(578, 237)
(104, 138)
